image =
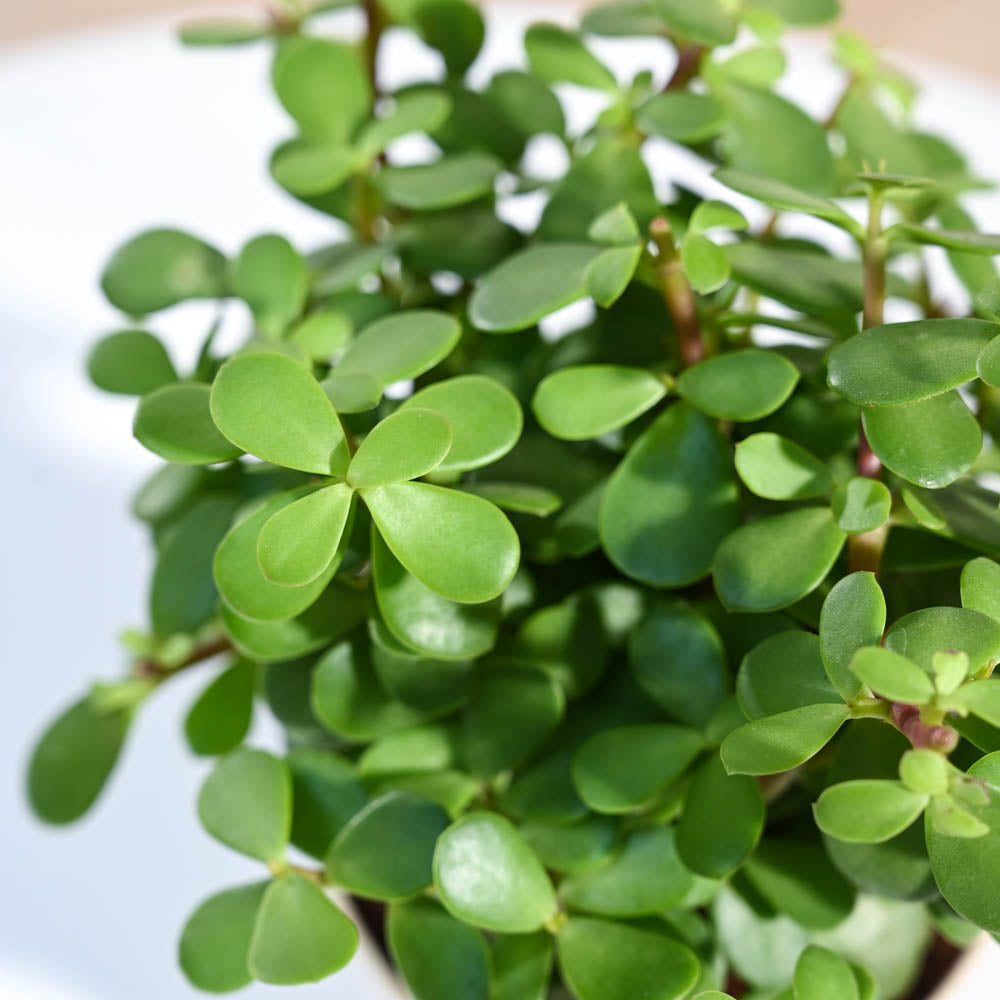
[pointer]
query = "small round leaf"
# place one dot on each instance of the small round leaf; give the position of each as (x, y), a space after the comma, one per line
(176, 423)
(406, 445)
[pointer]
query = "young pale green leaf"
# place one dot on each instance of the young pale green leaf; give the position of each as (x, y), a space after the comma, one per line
(530, 284)
(609, 960)
(624, 769)
(403, 345)
(948, 818)
(459, 545)
(722, 820)
(821, 974)
(556, 55)
(645, 877)
(406, 445)
(892, 676)
(522, 966)
(131, 363)
(421, 111)
(867, 811)
(609, 273)
(585, 401)
(708, 23)
(485, 418)
(742, 385)
(309, 167)
(246, 802)
(215, 941)
(160, 268)
(980, 585)
(271, 277)
(175, 422)
(930, 443)
(925, 771)
(908, 362)
(219, 720)
(326, 793)
(988, 363)
(218, 31)
(454, 180)
(297, 543)
(671, 501)
(753, 572)
(386, 850)
(861, 504)
(950, 668)
(705, 264)
(716, 215)
(272, 407)
(775, 468)
(780, 742)
(487, 876)
(72, 761)
(322, 333)
(421, 748)
(982, 699)
(681, 116)
(322, 85)
(423, 620)
(300, 935)
(852, 616)
(616, 226)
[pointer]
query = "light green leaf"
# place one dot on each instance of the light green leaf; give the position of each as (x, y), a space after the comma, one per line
(714, 214)
(988, 363)
(271, 406)
(925, 771)
(130, 362)
(776, 468)
(983, 699)
(487, 876)
(352, 393)
(219, 720)
(681, 116)
(422, 748)
(867, 811)
(753, 572)
(246, 802)
(967, 242)
(981, 587)
(608, 275)
(705, 264)
(585, 401)
(806, 13)
(271, 277)
(861, 504)
(421, 111)
(707, 23)
(300, 935)
(892, 676)
(761, 66)
(176, 423)
(297, 543)
(308, 167)
(622, 19)
(780, 742)
(454, 180)
(922, 634)
(616, 226)
(742, 385)
(218, 31)
(527, 102)
(406, 445)
(322, 333)
(485, 419)
(520, 498)
(823, 975)
(556, 55)
(853, 615)
(572, 847)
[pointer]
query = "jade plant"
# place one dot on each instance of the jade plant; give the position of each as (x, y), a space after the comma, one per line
(639, 649)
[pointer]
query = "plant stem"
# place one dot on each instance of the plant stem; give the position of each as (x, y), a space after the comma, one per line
(148, 668)
(373, 35)
(677, 294)
(688, 62)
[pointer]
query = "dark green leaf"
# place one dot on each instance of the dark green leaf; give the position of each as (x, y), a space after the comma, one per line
(556, 55)
(326, 793)
(853, 615)
(780, 742)
(454, 27)
(681, 116)
(823, 975)
(219, 720)
(522, 965)
(454, 180)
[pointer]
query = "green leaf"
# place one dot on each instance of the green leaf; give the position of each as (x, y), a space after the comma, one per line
(527, 102)
(741, 385)
(454, 180)
(861, 504)
(160, 268)
(716, 215)
(216, 31)
(322, 85)
(572, 847)
(489, 743)
(326, 793)
(300, 935)
(681, 116)
(386, 850)
(272, 407)
(645, 877)
(421, 111)
(522, 966)
(624, 769)
(608, 275)
(823, 975)
(459, 545)
(780, 742)
(806, 13)
(867, 811)
(988, 363)
(131, 363)
(671, 501)
(530, 284)
(586, 401)
(403, 345)
(721, 822)
(967, 242)
(616, 226)
(297, 544)
(175, 422)
(920, 635)
(907, 362)
(485, 419)
(679, 660)
(752, 569)
(352, 393)
(781, 673)
(776, 468)
(441, 958)
(271, 277)
(892, 676)
(309, 167)
(219, 720)
(423, 620)
(455, 28)
(216, 939)
(422, 748)
(853, 615)
(930, 443)
(705, 264)
(707, 23)
(622, 18)
(981, 587)
(556, 55)
(246, 802)
(983, 699)
(521, 498)
(607, 960)
(73, 759)
(486, 875)
(406, 445)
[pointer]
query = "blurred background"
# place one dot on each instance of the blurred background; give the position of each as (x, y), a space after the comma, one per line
(108, 126)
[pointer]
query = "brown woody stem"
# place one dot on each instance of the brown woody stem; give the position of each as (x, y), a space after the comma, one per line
(152, 670)
(677, 294)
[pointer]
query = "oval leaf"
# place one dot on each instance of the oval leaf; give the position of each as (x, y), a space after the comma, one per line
(778, 469)
(867, 811)
(780, 742)
(130, 362)
(176, 423)
(742, 385)
(406, 445)
(853, 615)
